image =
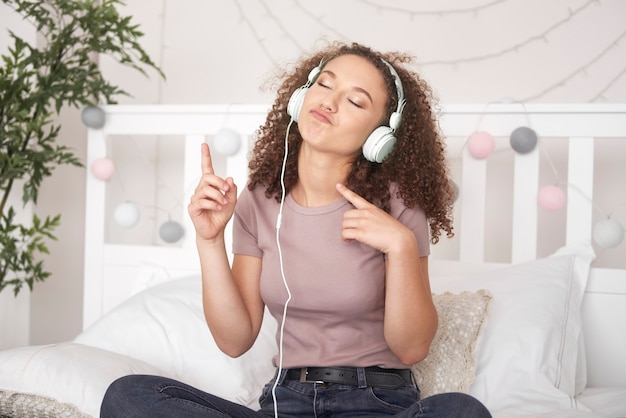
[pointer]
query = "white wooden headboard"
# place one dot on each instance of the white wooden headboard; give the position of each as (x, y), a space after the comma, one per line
(114, 270)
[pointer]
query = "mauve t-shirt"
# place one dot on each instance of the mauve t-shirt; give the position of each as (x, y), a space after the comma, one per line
(335, 315)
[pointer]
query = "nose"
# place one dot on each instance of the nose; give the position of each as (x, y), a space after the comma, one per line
(329, 102)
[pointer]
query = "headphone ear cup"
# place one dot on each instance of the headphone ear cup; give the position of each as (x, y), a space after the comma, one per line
(379, 144)
(295, 102)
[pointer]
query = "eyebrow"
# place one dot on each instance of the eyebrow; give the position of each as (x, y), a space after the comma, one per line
(357, 88)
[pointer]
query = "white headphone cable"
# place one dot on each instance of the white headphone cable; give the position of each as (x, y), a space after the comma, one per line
(279, 220)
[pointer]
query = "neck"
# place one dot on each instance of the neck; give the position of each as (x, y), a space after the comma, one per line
(317, 178)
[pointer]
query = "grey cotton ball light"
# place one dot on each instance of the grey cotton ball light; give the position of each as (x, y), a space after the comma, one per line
(93, 117)
(523, 140)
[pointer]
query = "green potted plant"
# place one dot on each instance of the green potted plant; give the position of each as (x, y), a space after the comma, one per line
(35, 83)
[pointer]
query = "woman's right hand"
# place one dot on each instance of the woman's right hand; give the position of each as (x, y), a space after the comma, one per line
(213, 202)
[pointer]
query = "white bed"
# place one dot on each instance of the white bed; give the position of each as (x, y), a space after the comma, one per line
(529, 323)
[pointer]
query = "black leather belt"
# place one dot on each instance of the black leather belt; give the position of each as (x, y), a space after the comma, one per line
(374, 376)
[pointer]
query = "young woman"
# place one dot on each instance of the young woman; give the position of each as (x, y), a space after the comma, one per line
(348, 186)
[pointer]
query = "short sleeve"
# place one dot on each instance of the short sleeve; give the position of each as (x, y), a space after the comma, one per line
(414, 219)
(245, 226)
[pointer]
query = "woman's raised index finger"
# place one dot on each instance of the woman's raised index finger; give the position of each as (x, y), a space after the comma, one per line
(207, 164)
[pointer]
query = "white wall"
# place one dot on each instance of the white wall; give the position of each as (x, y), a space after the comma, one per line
(222, 52)
(533, 50)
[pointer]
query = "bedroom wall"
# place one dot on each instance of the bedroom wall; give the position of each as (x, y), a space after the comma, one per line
(470, 51)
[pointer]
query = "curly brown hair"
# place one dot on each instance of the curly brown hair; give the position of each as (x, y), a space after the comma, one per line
(417, 163)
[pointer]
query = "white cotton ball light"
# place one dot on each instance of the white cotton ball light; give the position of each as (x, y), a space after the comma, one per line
(103, 168)
(523, 140)
(480, 144)
(456, 190)
(227, 142)
(608, 233)
(171, 231)
(551, 198)
(93, 117)
(126, 214)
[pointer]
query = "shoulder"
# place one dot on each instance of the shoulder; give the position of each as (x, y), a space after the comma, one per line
(256, 194)
(397, 205)
(253, 200)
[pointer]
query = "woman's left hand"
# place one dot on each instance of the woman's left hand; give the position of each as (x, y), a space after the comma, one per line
(371, 225)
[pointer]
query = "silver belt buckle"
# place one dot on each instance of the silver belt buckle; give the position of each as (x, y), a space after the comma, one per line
(304, 371)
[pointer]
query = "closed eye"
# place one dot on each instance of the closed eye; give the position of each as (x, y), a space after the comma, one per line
(319, 83)
(355, 104)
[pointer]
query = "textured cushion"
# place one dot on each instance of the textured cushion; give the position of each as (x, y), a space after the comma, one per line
(15, 404)
(450, 364)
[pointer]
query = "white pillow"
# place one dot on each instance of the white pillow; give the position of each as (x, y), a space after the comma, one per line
(527, 353)
(165, 326)
(69, 373)
(450, 364)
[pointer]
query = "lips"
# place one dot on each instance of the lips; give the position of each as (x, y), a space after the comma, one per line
(321, 116)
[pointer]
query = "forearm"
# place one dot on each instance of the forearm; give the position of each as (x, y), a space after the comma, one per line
(231, 323)
(410, 315)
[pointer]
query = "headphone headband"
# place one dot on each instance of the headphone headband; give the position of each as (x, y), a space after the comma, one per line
(394, 119)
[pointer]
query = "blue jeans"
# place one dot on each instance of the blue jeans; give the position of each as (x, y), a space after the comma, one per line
(154, 396)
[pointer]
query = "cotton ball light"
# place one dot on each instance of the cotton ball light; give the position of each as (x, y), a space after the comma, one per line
(480, 144)
(551, 198)
(93, 117)
(608, 233)
(456, 190)
(523, 140)
(103, 168)
(227, 142)
(171, 231)
(126, 214)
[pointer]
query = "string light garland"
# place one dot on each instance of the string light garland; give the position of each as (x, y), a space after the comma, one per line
(467, 10)
(611, 83)
(128, 214)
(280, 31)
(542, 36)
(583, 70)
(260, 39)
(93, 117)
(226, 141)
(607, 233)
(328, 29)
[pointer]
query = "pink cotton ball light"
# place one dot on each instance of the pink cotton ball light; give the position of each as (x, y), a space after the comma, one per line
(551, 198)
(103, 168)
(480, 144)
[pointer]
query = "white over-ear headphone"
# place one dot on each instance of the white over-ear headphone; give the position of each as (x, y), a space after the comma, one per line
(382, 140)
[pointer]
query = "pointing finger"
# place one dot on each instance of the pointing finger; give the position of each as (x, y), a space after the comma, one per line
(352, 197)
(206, 162)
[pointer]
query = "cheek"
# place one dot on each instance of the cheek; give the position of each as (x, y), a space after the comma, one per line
(364, 127)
